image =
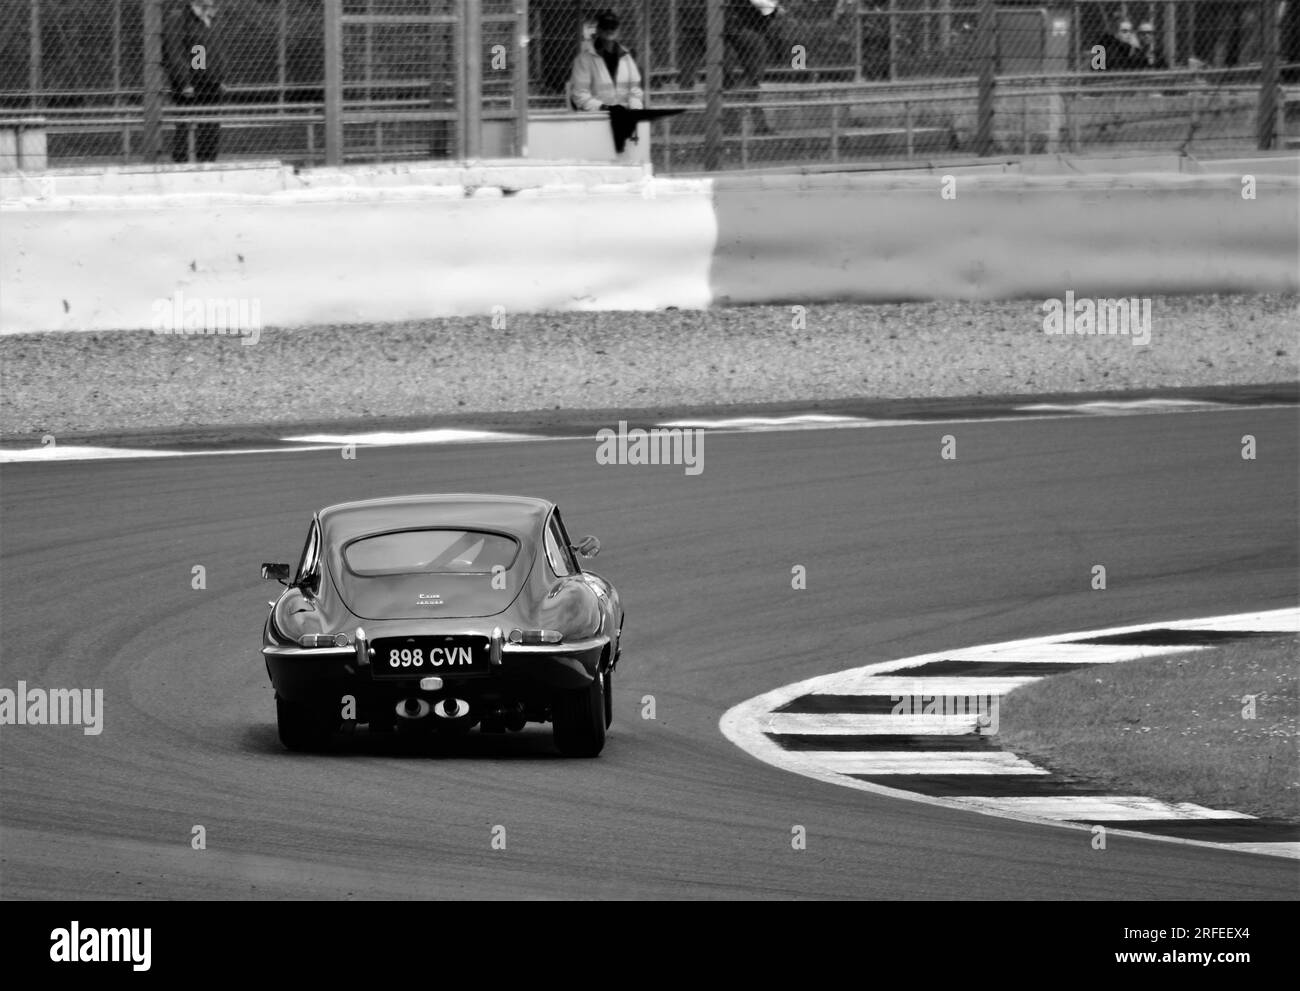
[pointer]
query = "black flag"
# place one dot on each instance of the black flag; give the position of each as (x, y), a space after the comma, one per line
(624, 121)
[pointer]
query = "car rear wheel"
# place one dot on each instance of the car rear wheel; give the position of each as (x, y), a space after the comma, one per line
(579, 718)
(304, 726)
(609, 698)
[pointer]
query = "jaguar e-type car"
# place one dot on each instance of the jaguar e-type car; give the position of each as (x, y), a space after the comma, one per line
(442, 613)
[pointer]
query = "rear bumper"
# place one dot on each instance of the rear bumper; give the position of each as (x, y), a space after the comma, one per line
(524, 673)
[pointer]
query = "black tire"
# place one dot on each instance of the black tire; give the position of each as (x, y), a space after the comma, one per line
(579, 720)
(303, 726)
(609, 698)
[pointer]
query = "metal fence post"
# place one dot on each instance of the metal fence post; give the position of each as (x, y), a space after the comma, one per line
(713, 81)
(647, 62)
(34, 52)
(472, 79)
(1171, 35)
(1265, 119)
(151, 133)
(117, 75)
(858, 53)
(987, 58)
(672, 39)
(333, 82)
(521, 79)
(282, 49)
(1080, 62)
(893, 40)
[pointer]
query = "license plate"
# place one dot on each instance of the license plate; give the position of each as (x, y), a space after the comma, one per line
(415, 657)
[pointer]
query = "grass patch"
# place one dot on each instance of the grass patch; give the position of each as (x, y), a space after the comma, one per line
(1173, 727)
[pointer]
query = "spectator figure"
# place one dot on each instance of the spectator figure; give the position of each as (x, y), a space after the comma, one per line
(1123, 52)
(1227, 33)
(748, 32)
(1151, 57)
(1130, 49)
(1250, 36)
(194, 60)
(586, 47)
(874, 31)
(1288, 53)
(748, 23)
(605, 73)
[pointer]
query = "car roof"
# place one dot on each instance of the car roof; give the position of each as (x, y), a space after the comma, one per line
(518, 515)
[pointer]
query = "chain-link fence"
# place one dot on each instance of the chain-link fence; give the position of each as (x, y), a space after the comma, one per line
(801, 82)
(832, 81)
(85, 68)
(131, 80)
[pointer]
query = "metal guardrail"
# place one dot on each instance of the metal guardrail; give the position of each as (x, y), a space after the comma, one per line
(914, 139)
(911, 138)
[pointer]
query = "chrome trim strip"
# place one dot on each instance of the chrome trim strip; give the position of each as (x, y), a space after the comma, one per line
(363, 660)
(497, 649)
(570, 647)
(287, 651)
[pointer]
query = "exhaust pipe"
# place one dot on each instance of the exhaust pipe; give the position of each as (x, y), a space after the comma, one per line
(504, 717)
(450, 708)
(514, 717)
(412, 709)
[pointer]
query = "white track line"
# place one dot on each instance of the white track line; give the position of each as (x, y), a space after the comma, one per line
(1112, 407)
(394, 438)
(749, 723)
(72, 452)
(720, 425)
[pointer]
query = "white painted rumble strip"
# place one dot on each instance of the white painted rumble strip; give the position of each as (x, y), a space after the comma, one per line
(1291, 850)
(745, 724)
(1283, 621)
(1070, 653)
(1100, 808)
(840, 723)
(901, 684)
(918, 762)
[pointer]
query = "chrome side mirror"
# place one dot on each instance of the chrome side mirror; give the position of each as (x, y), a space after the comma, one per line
(588, 546)
(275, 572)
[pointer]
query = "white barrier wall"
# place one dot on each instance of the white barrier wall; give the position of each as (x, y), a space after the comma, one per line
(887, 238)
(355, 255)
(330, 252)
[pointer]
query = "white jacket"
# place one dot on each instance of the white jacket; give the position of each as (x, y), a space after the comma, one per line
(590, 84)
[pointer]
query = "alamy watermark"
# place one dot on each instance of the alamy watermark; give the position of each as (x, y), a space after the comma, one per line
(90, 945)
(53, 707)
(1099, 317)
(657, 446)
(984, 708)
(235, 315)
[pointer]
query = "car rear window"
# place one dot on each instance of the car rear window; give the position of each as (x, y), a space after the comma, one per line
(430, 552)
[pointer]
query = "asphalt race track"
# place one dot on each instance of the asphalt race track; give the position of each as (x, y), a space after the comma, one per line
(905, 553)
